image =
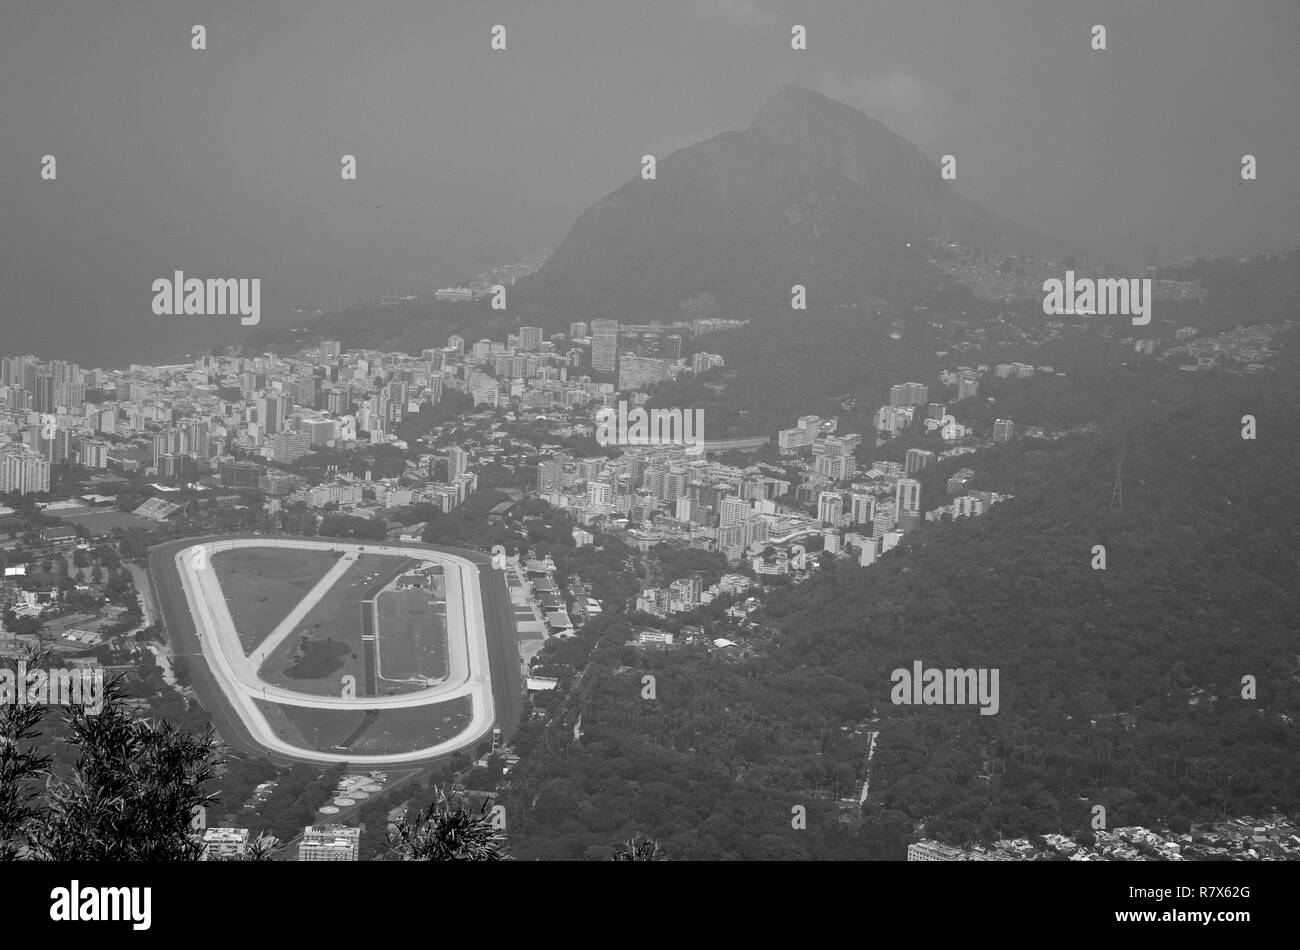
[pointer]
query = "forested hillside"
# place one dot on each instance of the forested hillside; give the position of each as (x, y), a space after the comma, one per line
(1120, 686)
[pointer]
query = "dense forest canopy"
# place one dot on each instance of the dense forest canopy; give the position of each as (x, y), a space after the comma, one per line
(1121, 686)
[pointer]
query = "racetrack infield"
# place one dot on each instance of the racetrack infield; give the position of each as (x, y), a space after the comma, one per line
(261, 586)
(412, 636)
(368, 731)
(327, 644)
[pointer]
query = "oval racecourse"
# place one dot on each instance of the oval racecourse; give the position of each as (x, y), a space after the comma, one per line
(333, 651)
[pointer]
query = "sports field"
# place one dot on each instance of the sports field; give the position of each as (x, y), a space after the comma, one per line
(327, 644)
(412, 635)
(368, 731)
(261, 586)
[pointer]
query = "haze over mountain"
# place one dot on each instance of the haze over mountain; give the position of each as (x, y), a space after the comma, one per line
(812, 192)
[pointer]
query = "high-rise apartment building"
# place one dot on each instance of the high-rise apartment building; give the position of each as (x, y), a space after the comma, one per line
(320, 431)
(703, 362)
(70, 395)
(549, 474)
(638, 372)
(835, 467)
(65, 373)
(909, 394)
(733, 510)
(840, 445)
(599, 494)
(240, 474)
(907, 495)
(862, 508)
(530, 338)
(337, 403)
(830, 507)
(457, 463)
(93, 453)
(604, 346)
(917, 459)
(272, 410)
(23, 470)
(289, 446)
(884, 519)
(42, 388)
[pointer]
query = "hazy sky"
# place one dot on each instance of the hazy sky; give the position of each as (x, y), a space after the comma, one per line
(225, 162)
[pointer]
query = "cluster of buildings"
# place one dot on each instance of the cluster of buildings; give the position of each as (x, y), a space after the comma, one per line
(884, 502)
(539, 600)
(656, 494)
(30, 393)
(687, 593)
(909, 402)
(1007, 278)
(662, 493)
(1016, 277)
(327, 842)
(243, 422)
(905, 400)
(1248, 347)
(1237, 839)
(225, 422)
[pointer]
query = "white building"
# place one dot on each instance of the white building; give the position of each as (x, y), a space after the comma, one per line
(329, 843)
(926, 850)
(224, 843)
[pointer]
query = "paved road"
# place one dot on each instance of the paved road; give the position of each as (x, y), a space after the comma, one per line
(143, 588)
(148, 617)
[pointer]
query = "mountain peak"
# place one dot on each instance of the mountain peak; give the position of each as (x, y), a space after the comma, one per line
(791, 103)
(792, 97)
(811, 183)
(821, 134)
(793, 92)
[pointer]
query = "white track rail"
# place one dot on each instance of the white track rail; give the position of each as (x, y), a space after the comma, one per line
(237, 673)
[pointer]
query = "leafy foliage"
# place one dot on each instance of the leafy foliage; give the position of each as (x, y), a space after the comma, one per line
(132, 795)
(638, 848)
(21, 766)
(448, 830)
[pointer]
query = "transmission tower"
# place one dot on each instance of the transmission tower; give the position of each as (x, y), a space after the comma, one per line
(1117, 493)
